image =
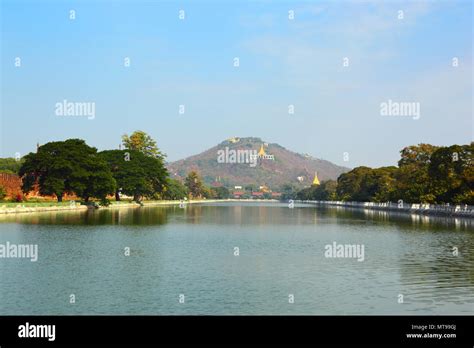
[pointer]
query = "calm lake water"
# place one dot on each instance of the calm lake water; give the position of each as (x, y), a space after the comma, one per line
(190, 251)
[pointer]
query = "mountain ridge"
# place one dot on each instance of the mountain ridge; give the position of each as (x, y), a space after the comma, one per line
(274, 166)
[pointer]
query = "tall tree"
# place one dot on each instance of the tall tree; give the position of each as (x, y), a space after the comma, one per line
(452, 172)
(174, 190)
(416, 154)
(412, 179)
(350, 184)
(194, 184)
(136, 174)
(142, 142)
(69, 166)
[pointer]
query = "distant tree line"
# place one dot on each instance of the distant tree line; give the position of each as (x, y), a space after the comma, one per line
(425, 174)
(10, 165)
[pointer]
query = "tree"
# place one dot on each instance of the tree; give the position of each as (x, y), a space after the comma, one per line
(416, 154)
(288, 191)
(69, 166)
(194, 184)
(350, 184)
(452, 173)
(136, 174)
(10, 165)
(324, 192)
(379, 184)
(174, 189)
(221, 192)
(208, 192)
(142, 142)
(366, 184)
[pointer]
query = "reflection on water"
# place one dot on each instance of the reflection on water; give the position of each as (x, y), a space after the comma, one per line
(190, 250)
(114, 216)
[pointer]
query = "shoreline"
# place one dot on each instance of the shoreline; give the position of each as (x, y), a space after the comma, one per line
(464, 211)
(24, 208)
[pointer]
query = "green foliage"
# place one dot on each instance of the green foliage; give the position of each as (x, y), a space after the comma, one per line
(208, 192)
(412, 181)
(195, 186)
(412, 184)
(426, 174)
(3, 192)
(69, 166)
(288, 191)
(174, 190)
(104, 202)
(221, 193)
(452, 174)
(136, 174)
(418, 155)
(383, 184)
(10, 165)
(350, 185)
(324, 192)
(142, 142)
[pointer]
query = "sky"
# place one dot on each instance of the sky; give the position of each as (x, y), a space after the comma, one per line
(403, 51)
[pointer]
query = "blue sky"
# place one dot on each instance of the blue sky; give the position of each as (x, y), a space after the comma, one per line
(282, 62)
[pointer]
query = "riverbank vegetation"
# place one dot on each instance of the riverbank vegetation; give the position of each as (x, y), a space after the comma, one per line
(73, 168)
(425, 174)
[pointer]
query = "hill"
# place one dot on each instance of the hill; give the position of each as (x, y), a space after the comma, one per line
(232, 163)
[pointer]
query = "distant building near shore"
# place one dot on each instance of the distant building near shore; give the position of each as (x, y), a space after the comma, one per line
(238, 194)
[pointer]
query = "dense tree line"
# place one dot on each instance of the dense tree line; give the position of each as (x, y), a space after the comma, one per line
(425, 174)
(137, 171)
(73, 167)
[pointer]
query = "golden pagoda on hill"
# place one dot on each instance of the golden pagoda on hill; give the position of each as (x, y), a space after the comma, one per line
(261, 152)
(315, 180)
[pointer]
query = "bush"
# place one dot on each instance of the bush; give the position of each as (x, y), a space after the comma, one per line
(3, 192)
(104, 202)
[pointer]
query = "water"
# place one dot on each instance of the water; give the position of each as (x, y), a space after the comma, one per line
(190, 251)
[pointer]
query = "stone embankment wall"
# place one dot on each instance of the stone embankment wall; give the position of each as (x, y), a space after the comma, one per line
(418, 208)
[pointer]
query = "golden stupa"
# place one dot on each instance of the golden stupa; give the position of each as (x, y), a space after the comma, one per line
(315, 180)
